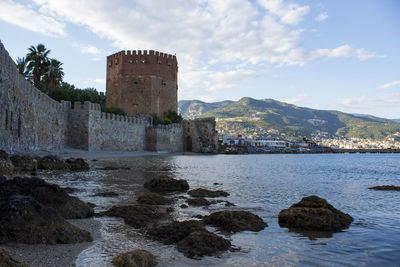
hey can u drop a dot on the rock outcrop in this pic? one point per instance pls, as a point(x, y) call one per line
point(201, 192)
point(166, 185)
point(6, 166)
point(201, 243)
point(154, 199)
point(314, 213)
point(175, 231)
point(386, 188)
point(77, 164)
point(52, 162)
point(7, 261)
point(49, 195)
point(235, 221)
point(137, 216)
point(199, 202)
point(135, 258)
point(3, 178)
point(25, 220)
point(24, 162)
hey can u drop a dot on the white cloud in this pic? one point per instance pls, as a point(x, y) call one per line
point(100, 81)
point(321, 16)
point(298, 100)
point(26, 17)
point(88, 49)
point(290, 13)
point(388, 85)
point(341, 51)
point(235, 34)
point(369, 102)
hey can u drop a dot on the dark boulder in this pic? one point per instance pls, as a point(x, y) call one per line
point(52, 162)
point(106, 194)
point(50, 195)
point(137, 216)
point(175, 231)
point(135, 258)
point(235, 221)
point(71, 190)
point(6, 167)
point(153, 199)
point(166, 184)
point(201, 243)
point(7, 261)
point(3, 178)
point(24, 162)
point(77, 164)
point(4, 155)
point(24, 220)
point(386, 188)
point(314, 213)
point(201, 192)
point(198, 202)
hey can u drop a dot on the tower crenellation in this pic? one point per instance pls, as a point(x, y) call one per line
point(142, 82)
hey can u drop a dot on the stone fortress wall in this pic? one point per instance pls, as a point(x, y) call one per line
point(30, 120)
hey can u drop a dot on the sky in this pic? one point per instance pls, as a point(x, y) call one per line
point(336, 55)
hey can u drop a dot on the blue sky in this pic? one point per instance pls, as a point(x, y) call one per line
point(341, 55)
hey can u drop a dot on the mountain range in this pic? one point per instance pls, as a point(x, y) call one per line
point(268, 117)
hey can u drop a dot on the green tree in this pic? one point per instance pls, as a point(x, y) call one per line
point(38, 62)
point(22, 66)
point(53, 76)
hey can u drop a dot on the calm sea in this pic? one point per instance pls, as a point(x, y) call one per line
point(264, 185)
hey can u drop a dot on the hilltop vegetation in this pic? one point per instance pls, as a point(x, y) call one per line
point(268, 117)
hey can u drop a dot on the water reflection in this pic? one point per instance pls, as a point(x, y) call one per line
point(263, 184)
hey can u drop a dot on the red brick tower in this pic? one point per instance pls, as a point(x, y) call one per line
point(142, 82)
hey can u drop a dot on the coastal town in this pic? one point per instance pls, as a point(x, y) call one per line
point(309, 145)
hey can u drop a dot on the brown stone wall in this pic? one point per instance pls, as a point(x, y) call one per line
point(142, 82)
point(201, 136)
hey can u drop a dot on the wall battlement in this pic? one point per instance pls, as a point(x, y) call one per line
point(31, 120)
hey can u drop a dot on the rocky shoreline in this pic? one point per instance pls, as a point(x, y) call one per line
point(49, 205)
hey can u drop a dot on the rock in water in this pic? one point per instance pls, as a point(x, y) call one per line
point(24, 220)
point(49, 195)
point(201, 192)
point(52, 162)
point(175, 231)
point(3, 178)
point(314, 213)
point(167, 184)
point(6, 166)
point(235, 221)
point(137, 216)
point(106, 194)
point(7, 261)
point(201, 243)
point(77, 164)
point(24, 162)
point(198, 202)
point(153, 199)
point(135, 258)
point(386, 188)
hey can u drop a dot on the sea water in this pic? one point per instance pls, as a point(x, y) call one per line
point(263, 184)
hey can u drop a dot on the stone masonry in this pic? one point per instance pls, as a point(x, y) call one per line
point(142, 82)
point(30, 120)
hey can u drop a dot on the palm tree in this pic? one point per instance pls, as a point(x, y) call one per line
point(22, 66)
point(54, 75)
point(38, 62)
